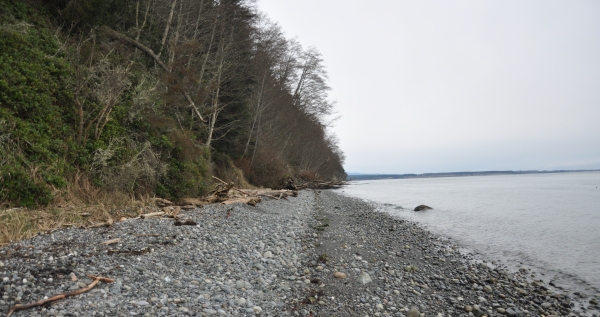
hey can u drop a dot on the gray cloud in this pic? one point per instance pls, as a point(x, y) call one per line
point(437, 86)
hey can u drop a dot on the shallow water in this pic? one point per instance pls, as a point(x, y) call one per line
point(548, 221)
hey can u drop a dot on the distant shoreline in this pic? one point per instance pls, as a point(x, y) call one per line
point(360, 177)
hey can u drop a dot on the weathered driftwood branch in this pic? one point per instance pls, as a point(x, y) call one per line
point(97, 225)
point(222, 190)
point(161, 202)
point(96, 279)
point(225, 183)
point(111, 241)
point(152, 214)
point(220, 180)
point(271, 196)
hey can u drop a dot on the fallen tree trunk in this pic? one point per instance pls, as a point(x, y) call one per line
point(148, 51)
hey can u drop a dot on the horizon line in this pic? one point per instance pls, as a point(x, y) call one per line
point(489, 171)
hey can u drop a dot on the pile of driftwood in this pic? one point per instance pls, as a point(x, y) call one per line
point(227, 193)
point(224, 193)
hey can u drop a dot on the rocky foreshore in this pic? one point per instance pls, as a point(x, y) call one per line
point(318, 254)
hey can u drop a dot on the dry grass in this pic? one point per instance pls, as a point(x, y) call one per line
point(231, 173)
point(81, 204)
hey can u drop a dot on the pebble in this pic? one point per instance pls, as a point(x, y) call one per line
point(243, 284)
point(365, 278)
point(259, 266)
point(339, 275)
point(116, 287)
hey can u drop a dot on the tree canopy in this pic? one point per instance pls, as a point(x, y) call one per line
point(154, 97)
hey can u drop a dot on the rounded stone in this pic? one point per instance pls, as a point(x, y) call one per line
point(339, 275)
point(413, 312)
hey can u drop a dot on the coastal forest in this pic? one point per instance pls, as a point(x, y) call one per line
point(153, 98)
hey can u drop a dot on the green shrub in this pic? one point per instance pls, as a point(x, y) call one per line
point(17, 187)
point(184, 179)
point(35, 109)
point(189, 168)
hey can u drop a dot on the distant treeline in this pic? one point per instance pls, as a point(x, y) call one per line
point(454, 174)
point(153, 97)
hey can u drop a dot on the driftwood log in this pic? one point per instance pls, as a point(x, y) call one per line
point(244, 200)
point(153, 214)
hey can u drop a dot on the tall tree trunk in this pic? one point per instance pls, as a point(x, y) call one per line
point(166, 32)
point(256, 140)
point(81, 120)
point(175, 40)
point(298, 91)
point(205, 61)
point(256, 114)
point(194, 37)
point(138, 28)
point(215, 102)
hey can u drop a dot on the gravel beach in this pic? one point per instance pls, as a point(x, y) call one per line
point(318, 254)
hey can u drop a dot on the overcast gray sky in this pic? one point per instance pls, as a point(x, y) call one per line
point(442, 86)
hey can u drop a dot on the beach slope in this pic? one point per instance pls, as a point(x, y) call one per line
point(318, 254)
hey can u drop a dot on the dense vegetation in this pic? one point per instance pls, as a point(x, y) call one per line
point(152, 97)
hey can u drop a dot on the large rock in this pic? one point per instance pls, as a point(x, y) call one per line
point(413, 312)
point(365, 278)
point(477, 311)
point(422, 207)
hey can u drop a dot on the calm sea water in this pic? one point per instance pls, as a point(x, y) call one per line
point(546, 221)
